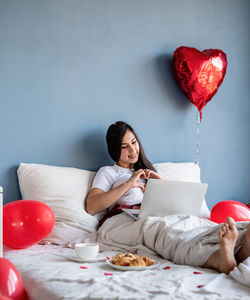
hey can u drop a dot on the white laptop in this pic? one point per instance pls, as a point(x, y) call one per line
point(167, 197)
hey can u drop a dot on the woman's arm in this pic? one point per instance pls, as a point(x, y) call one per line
point(99, 200)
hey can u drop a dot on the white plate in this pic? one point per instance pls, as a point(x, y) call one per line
point(125, 268)
point(82, 260)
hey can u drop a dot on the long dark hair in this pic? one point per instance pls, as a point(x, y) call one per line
point(114, 136)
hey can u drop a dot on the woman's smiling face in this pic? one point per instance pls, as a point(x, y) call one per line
point(129, 150)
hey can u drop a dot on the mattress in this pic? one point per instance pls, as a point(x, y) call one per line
point(48, 272)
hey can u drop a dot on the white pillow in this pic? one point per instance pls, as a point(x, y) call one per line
point(64, 190)
point(189, 172)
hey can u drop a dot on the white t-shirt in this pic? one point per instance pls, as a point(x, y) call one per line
point(110, 177)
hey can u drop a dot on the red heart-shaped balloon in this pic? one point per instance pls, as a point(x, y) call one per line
point(199, 74)
point(26, 222)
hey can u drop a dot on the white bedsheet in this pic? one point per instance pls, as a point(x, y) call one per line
point(48, 273)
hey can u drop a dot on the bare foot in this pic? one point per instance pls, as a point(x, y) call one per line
point(228, 236)
point(244, 251)
point(223, 260)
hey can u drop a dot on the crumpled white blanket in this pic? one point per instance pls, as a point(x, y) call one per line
point(183, 239)
point(241, 273)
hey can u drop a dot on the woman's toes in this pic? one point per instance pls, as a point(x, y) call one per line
point(232, 230)
point(230, 222)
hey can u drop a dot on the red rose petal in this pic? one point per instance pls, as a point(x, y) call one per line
point(166, 268)
point(83, 267)
point(108, 274)
point(197, 273)
point(200, 286)
point(107, 257)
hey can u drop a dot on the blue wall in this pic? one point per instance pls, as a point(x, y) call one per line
point(70, 68)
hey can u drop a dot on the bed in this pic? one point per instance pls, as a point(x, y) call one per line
point(48, 271)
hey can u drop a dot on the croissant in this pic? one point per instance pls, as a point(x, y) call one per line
point(130, 255)
point(123, 261)
point(148, 261)
point(131, 260)
point(137, 262)
point(117, 257)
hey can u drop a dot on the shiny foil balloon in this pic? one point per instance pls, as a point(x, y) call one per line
point(199, 74)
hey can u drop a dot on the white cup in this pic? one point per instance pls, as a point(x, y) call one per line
point(87, 250)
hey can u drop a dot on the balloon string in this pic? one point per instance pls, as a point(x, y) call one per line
point(198, 118)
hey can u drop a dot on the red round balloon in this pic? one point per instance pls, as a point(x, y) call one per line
point(11, 285)
point(2, 297)
point(26, 222)
point(199, 74)
point(229, 208)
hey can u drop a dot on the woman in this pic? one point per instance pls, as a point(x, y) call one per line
point(123, 184)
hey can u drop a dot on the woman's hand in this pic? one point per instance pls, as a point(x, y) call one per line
point(134, 182)
point(152, 174)
point(98, 200)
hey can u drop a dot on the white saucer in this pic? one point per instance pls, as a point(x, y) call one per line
point(82, 260)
